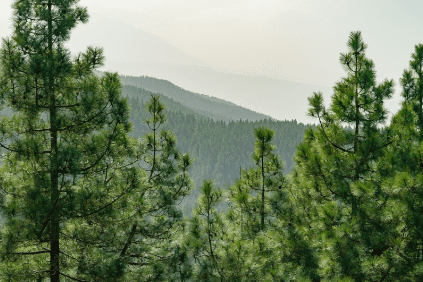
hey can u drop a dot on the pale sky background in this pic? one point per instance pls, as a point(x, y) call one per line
point(298, 40)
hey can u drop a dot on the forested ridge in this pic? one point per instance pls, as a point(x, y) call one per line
point(219, 149)
point(93, 184)
point(211, 107)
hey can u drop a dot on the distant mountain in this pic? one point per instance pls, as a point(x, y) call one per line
point(280, 99)
point(134, 52)
point(123, 43)
point(211, 107)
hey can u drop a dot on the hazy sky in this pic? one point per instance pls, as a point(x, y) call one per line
point(298, 40)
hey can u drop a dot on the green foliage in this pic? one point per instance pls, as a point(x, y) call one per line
point(81, 200)
point(66, 166)
point(153, 224)
point(215, 244)
point(205, 235)
point(257, 186)
point(404, 173)
point(338, 176)
point(249, 241)
point(219, 148)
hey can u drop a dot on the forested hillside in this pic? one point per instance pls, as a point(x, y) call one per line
point(212, 107)
point(219, 149)
point(82, 200)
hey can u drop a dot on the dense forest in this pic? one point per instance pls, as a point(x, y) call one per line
point(97, 183)
point(212, 142)
point(221, 150)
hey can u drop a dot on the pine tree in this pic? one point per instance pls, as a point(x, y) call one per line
point(67, 159)
point(338, 177)
point(404, 167)
point(253, 197)
point(214, 242)
point(205, 235)
point(152, 231)
point(253, 192)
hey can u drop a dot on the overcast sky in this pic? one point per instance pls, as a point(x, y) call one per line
point(299, 40)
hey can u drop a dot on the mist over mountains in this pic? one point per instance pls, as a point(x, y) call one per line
point(133, 52)
point(123, 43)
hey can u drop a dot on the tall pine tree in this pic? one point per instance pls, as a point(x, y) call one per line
point(67, 158)
point(253, 191)
point(338, 177)
point(205, 237)
point(151, 231)
point(405, 168)
point(252, 198)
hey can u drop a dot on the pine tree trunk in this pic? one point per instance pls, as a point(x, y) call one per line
point(54, 175)
point(357, 125)
point(357, 109)
point(420, 95)
point(262, 192)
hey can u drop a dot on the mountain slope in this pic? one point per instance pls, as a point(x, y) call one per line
point(280, 99)
point(144, 96)
point(207, 106)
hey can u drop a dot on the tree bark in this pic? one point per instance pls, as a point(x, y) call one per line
point(54, 175)
point(262, 190)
